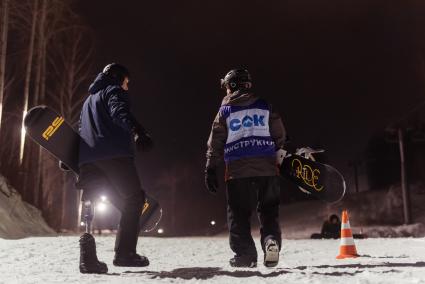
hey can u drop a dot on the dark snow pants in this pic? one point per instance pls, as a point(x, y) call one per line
point(242, 195)
point(119, 179)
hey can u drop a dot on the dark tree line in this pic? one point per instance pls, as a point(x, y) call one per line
point(46, 58)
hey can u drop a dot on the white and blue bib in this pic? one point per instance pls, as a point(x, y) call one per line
point(248, 131)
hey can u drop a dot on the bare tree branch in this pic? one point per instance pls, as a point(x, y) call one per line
point(3, 49)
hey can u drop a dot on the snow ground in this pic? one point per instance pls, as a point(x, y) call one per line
point(205, 260)
point(374, 213)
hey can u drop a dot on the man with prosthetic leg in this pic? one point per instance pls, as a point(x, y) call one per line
point(106, 158)
point(247, 133)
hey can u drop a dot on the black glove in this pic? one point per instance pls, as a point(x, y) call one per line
point(63, 167)
point(211, 180)
point(142, 139)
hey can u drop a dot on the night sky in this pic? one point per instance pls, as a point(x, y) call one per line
point(337, 71)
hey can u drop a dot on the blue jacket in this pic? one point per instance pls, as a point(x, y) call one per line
point(106, 123)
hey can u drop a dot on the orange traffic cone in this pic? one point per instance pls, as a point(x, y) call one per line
point(347, 249)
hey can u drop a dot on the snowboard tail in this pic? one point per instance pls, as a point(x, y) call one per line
point(53, 133)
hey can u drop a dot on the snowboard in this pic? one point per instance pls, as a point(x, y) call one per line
point(50, 130)
point(320, 180)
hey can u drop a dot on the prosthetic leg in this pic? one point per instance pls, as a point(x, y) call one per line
point(88, 257)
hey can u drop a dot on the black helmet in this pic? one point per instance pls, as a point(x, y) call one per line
point(234, 78)
point(116, 71)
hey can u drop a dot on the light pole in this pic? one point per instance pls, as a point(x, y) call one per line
point(404, 185)
point(401, 133)
point(355, 164)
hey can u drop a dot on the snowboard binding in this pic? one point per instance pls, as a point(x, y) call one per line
point(308, 152)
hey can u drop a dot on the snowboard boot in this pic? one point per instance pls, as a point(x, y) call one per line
point(88, 258)
point(271, 253)
point(243, 261)
point(130, 260)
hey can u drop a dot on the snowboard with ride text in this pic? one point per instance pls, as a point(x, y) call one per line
point(320, 180)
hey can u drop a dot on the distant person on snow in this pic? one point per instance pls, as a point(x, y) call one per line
point(247, 132)
point(331, 229)
point(106, 160)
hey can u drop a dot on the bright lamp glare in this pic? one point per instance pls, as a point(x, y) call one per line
point(82, 224)
point(212, 223)
point(101, 207)
point(103, 198)
point(160, 231)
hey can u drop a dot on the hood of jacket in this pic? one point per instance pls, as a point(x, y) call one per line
point(101, 82)
point(240, 98)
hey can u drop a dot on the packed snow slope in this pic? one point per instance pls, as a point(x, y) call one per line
point(374, 213)
point(205, 260)
point(19, 219)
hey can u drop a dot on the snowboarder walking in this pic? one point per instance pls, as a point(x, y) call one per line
point(106, 160)
point(247, 133)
